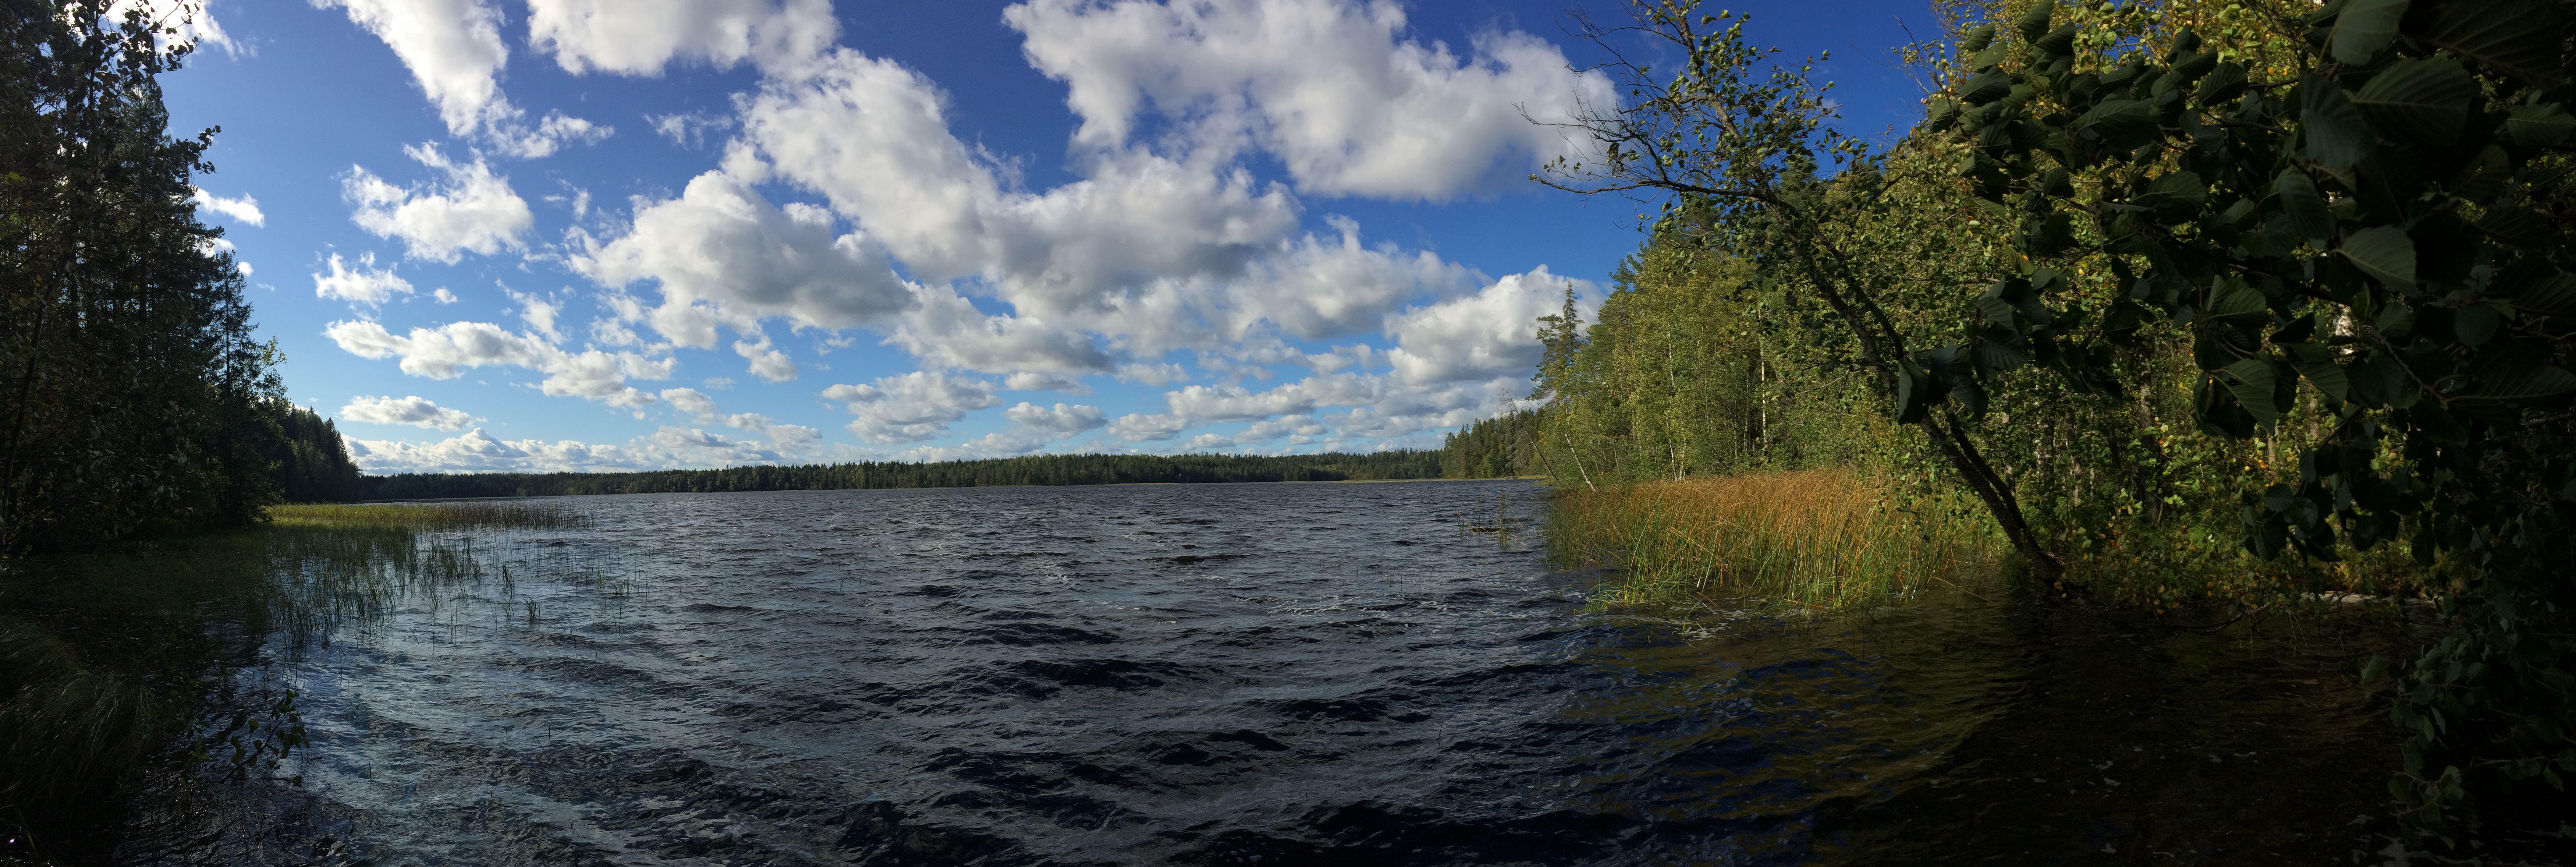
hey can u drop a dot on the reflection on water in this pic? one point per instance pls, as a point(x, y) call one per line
point(1271, 674)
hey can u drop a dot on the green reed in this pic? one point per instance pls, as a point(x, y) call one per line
point(1812, 539)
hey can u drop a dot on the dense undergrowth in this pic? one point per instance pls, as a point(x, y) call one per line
point(125, 659)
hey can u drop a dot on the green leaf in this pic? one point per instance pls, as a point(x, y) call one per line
point(2476, 324)
point(2550, 295)
point(2425, 101)
point(2120, 124)
point(2364, 29)
point(2483, 177)
point(1914, 391)
point(2336, 134)
point(2058, 41)
point(2524, 383)
point(2256, 383)
point(2035, 22)
point(1987, 86)
point(2383, 252)
point(2328, 377)
point(2538, 126)
point(2519, 226)
point(2223, 84)
point(1992, 56)
point(2305, 207)
point(2517, 37)
point(2234, 302)
point(1979, 38)
point(2174, 196)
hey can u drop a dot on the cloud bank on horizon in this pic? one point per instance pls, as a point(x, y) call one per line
point(1181, 270)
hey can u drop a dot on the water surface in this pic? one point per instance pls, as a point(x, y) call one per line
point(1275, 674)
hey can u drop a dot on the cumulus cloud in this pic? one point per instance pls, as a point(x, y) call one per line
point(785, 438)
point(1061, 421)
point(454, 51)
point(476, 451)
point(365, 284)
point(414, 410)
point(1146, 427)
point(444, 352)
point(641, 38)
point(1330, 87)
point(244, 209)
point(1482, 336)
point(722, 253)
point(912, 407)
point(474, 210)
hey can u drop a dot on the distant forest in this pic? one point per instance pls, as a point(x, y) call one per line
point(1031, 470)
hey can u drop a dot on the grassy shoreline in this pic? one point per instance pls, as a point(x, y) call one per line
point(1816, 539)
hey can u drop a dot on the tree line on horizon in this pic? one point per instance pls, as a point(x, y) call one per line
point(1023, 470)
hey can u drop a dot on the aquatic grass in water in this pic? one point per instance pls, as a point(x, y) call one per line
point(106, 657)
point(474, 514)
point(1817, 539)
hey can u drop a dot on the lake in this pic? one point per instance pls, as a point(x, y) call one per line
point(1271, 674)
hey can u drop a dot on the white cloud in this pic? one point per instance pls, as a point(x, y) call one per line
point(416, 411)
point(443, 296)
point(455, 52)
point(366, 284)
point(1330, 87)
point(1032, 381)
point(947, 330)
point(475, 210)
point(787, 439)
point(538, 312)
point(631, 38)
point(453, 48)
point(1482, 336)
point(443, 352)
point(766, 362)
point(244, 209)
point(1061, 421)
point(691, 129)
point(1145, 427)
point(476, 451)
point(912, 407)
point(722, 253)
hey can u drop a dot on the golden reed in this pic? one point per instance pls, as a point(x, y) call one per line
point(1821, 539)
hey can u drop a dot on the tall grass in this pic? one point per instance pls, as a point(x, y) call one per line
point(473, 514)
point(110, 659)
point(1816, 539)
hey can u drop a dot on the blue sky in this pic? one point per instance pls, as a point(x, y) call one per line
point(605, 234)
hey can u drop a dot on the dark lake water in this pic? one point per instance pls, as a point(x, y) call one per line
point(1277, 674)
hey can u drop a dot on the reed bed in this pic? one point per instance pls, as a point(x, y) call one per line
point(1814, 539)
point(471, 514)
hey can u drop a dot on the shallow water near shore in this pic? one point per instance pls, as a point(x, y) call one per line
point(1273, 674)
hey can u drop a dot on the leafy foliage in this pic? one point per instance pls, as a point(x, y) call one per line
point(2232, 300)
point(2372, 213)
